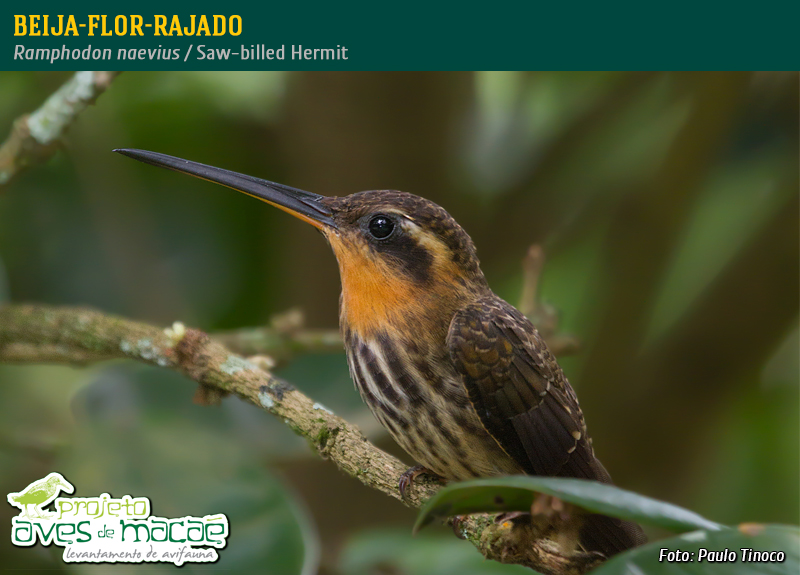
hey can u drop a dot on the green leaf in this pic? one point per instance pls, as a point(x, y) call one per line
point(373, 551)
point(517, 493)
point(645, 559)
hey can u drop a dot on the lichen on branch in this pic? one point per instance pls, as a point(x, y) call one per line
point(34, 137)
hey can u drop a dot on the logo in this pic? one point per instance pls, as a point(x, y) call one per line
point(107, 530)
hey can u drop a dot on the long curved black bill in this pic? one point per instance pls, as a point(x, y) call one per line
point(303, 205)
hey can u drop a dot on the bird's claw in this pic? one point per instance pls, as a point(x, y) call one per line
point(550, 507)
point(407, 478)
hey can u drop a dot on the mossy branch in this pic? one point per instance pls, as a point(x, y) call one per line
point(284, 338)
point(34, 137)
point(35, 334)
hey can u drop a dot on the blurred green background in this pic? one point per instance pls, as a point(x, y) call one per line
point(667, 204)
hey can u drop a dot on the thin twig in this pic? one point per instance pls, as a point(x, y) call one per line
point(543, 316)
point(80, 335)
point(282, 340)
point(34, 137)
point(532, 265)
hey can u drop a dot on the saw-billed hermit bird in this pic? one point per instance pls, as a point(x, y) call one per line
point(460, 378)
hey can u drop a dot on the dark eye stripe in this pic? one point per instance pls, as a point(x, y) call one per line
point(387, 237)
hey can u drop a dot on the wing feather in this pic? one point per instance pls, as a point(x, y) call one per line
point(528, 406)
point(519, 391)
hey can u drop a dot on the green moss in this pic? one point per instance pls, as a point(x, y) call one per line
point(322, 437)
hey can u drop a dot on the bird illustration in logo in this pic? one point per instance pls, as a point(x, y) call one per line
point(40, 493)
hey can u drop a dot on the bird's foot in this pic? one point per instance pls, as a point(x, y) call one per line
point(407, 479)
point(559, 521)
point(551, 507)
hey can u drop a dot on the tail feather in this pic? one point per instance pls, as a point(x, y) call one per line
point(609, 535)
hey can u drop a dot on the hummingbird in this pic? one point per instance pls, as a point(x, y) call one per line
point(461, 379)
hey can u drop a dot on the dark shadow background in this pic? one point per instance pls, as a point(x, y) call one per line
point(667, 204)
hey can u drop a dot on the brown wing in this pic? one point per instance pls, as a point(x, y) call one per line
point(528, 406)
point(520, 392)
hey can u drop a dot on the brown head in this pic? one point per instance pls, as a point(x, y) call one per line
point(403, 260)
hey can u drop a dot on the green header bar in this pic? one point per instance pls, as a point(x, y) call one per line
point(398, 36)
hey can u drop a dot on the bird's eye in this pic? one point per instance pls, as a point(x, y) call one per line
point(380, 227)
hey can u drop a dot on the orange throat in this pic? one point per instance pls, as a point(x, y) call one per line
point(377, 296)
point(373, 295)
